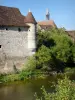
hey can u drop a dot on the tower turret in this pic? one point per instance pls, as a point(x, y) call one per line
point(30, 20)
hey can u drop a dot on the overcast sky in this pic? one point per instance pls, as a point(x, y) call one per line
point(61, 11)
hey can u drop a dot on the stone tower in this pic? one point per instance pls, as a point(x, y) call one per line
point(31, 33)
point(47, 15)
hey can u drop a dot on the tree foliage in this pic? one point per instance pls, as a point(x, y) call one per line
point(43, 56)
point(54, 46)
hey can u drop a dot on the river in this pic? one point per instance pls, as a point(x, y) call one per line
point(25, 90)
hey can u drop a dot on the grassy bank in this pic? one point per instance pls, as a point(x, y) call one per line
point(23, 75)
point(27, 74)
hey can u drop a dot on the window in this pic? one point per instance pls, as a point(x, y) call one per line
point(45, 27)
point(0, 46)
point(6, 28)
point(34, 50)
point(19, 29)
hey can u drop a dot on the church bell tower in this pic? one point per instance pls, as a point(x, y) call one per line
point(47, 15)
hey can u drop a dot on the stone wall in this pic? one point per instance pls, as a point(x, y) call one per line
point(13, 47)
point(16, 44)
point(12, 65)
point(13, 42)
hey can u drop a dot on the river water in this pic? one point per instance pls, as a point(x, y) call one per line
point(25, 90)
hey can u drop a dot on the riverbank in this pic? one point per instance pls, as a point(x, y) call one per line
point(24, 75)
point(26, 89)
point(36, 73)
point(21, 76)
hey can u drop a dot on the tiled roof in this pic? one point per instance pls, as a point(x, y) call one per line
point(47, 23)
point(30, 18)
point(10, 16)
point(71, 33)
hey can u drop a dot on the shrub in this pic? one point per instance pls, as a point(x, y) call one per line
point(73, 51)
point(64, 90)
point(43, 57)
point(10, 78)
point(28, 69)
point(30, 64)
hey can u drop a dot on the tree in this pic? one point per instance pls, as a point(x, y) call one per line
point(54, 46)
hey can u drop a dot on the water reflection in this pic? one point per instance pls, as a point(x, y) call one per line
point(24, 90)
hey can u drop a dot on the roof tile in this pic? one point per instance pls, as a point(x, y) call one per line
point(10, 16)
point(30, 18)
point(47, 23)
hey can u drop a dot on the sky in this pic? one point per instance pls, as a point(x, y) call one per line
point(61, 11)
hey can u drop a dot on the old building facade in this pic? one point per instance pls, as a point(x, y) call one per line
point(17, 37)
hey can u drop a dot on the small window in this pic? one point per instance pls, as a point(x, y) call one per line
point(46, 27)
point(19, 29)
point(6, 28)
point(0, 46)
point(33, 50)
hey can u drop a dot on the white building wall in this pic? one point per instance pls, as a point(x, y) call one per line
point(16, 47)
point(14, 43)
point(31, 39)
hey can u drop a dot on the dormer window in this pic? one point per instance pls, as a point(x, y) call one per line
point(19, 29)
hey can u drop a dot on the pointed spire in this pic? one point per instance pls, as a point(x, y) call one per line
point(47, 11)
point(47, 14)
point(29, 10)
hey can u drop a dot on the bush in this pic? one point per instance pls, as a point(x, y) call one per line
point(43, 57)
point(10, 78)
point(64, 90)
point(28, 69)
point(69, 70)
point(30, 65)
point(73, 51)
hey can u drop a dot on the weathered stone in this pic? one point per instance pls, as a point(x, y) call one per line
point(16, 47)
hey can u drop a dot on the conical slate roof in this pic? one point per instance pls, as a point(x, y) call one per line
point(30, 18)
